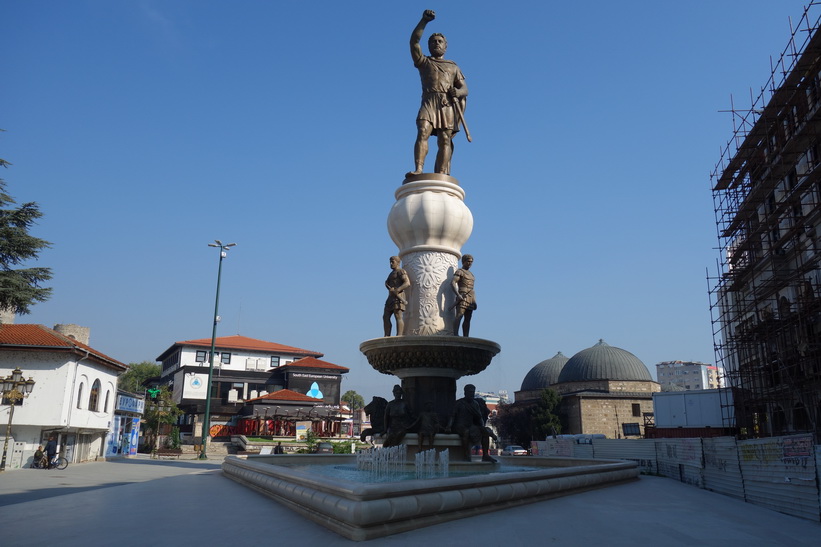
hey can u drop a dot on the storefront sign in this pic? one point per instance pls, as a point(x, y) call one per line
point(130, 404)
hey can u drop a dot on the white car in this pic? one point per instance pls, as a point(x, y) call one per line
point(514, 450)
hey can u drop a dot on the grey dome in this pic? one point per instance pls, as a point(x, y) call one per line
point(544, 374)
point(604, 362)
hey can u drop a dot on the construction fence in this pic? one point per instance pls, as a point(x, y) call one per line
point(780, 473)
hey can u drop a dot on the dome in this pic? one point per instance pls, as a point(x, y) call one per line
point(604, 362)
point(544, 374)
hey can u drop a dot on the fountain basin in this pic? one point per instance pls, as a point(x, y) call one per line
point(451, 356)
point(362, 511)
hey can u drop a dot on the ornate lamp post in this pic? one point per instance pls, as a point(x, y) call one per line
point(14, 388)
point(206, 423)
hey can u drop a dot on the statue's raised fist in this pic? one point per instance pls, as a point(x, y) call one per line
point(429, 15)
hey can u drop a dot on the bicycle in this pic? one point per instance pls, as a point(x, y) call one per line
point(58, 462)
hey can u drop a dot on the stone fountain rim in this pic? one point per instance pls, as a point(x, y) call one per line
point(431, 341)
point(392, 508)
point(277, 466)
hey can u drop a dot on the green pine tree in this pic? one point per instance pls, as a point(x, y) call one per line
point(20, 286)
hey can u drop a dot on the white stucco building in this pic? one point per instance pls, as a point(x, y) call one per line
point(74, 396)
point(244, 369)
point(688, 375)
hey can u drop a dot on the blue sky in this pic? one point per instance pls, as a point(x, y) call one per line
point(147, 129)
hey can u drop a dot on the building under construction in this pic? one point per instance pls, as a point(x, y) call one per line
point(766, 299)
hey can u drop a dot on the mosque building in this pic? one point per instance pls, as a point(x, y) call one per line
point(604, 389)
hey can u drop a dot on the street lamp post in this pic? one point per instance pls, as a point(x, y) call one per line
point(206, 423)
point(14, 388)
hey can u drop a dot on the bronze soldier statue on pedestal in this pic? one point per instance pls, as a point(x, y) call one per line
point(462, 285)
point(443, 98)
point(395, 305)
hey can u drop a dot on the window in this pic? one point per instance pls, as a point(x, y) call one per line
point(94, 396)
point(201, 356)
point(80, 396)
point(274, 361)
point(788, 122)
point(636, 409)
point(812, 93)
point(107, 397)
point(225, 359)
point(790, 180)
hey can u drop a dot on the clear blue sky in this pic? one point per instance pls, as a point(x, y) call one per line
point(147, 129)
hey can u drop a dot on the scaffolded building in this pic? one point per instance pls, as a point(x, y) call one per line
point(765, 300)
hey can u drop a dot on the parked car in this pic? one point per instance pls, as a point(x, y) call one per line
point(514, 450)
point(324, 448)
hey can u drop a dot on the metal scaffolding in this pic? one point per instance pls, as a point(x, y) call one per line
point(765, 297)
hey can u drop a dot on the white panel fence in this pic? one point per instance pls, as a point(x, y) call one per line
point(780, 473)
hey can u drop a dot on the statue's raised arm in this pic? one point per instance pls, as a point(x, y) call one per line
point(443, 94)
point(416, 35)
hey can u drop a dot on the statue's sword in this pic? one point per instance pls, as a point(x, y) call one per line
point(458, 106)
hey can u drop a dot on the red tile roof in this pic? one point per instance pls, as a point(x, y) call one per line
point(242, 342)
point(310, 362)
point(40, 337)
point(286, 395)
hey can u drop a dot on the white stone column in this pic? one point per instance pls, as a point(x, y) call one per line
point(429, 224)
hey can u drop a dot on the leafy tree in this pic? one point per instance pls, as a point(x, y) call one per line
point(20, 287)
point(160, 410)
point(137, 373)
point(521, 423)
point(311, 439)
point(353, 399)
point(545, 419)
point(174, 441)
point(513, 421)
point(355, 402)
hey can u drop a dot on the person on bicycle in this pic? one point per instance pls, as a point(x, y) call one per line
point(51, 451)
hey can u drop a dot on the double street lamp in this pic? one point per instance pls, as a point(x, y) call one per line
point(13, 389)
point(206, 423)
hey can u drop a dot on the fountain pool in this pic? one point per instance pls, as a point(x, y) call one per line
point(362, 511)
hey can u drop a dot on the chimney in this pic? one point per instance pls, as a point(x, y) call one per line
point(75, 332)
point(7, 316)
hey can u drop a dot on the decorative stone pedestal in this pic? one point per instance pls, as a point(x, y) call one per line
point(429, 224)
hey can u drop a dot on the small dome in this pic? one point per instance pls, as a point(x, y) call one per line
point(604, 362)
point(544, 374)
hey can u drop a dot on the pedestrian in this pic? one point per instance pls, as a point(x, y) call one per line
point(51, 451)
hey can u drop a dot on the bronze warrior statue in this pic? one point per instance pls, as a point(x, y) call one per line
point(468, 421)
point(398, 418)
point(443, 97)
point(462, 284)
point(395, 305)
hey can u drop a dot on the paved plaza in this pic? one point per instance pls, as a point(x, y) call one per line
point(138, 501)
